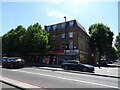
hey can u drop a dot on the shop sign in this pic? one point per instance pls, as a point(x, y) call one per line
point(58, 51)
point(72, 52)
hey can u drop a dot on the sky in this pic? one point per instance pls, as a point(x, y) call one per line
point(50, 12)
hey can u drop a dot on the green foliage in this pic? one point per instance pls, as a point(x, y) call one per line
point(22, 41)
point(111, 53)
point(117, 45)
point(36, 38)
point(11, 40)
point(101, 38)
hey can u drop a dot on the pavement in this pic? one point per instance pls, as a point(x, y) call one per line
point(6, 86)
point(111, 70)
point(103, 71)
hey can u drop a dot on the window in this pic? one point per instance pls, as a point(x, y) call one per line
point(62, 46)
point(63, 25)
point(53, 37)
point(71, 23)
point(63, 35)
point(70, 34)
point(48, 28)
point(54, 27)
point(70, 45)
point(54, 47)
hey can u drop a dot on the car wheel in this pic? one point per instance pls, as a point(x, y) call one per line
point(66, 68)
point(84, 69)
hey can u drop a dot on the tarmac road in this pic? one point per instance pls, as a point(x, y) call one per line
point(57, 79)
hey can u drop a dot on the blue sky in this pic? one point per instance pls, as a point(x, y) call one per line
point(47, 13)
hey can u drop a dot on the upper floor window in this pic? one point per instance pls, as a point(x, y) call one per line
point(48, 28)
point(63, 25)
point(71, 45)
point(54, 27)
point(63, 35)
point(53, 37)
point(70, 34)
point(71, 23)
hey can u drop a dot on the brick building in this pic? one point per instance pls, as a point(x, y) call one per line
point(71, 38)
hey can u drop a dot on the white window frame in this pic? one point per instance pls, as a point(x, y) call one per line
point(71, 45)
point(63, 25)
point(54, 27)
point(70, 34)
point(71, 23)
point(48, 28)
point(63, 35)
point(53, 37)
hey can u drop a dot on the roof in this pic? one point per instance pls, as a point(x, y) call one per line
point(60, 23)
point(79, 25)
point(76, 24)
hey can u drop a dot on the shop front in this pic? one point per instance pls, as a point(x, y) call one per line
point(54, 57)
point(70, 55)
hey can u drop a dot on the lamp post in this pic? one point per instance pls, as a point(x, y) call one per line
point(65, 37)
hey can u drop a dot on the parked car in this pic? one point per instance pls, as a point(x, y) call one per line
point(110, 62)
point(13, 62)
point(103, 63)
point(4, 58)
point(76, 65)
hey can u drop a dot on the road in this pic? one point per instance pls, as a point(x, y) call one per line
point(58, 79)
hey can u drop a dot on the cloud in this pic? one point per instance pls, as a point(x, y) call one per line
point(56, 14)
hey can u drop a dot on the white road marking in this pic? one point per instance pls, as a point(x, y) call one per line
point(108, 70)
point(70, 79)
point(18, 83)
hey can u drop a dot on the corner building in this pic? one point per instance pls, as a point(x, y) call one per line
point(71, 38)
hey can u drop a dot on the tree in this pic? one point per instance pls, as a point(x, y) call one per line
point(22, 41)
point(36, 39)
point(11, 40)
point(101, 38)
point(117, 45)
point(111, 53)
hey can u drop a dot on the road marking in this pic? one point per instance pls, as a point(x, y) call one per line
point(108, 70)
point(20, 83)
point(70, 79)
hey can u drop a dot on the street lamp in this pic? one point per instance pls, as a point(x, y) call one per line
point(65, 37)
